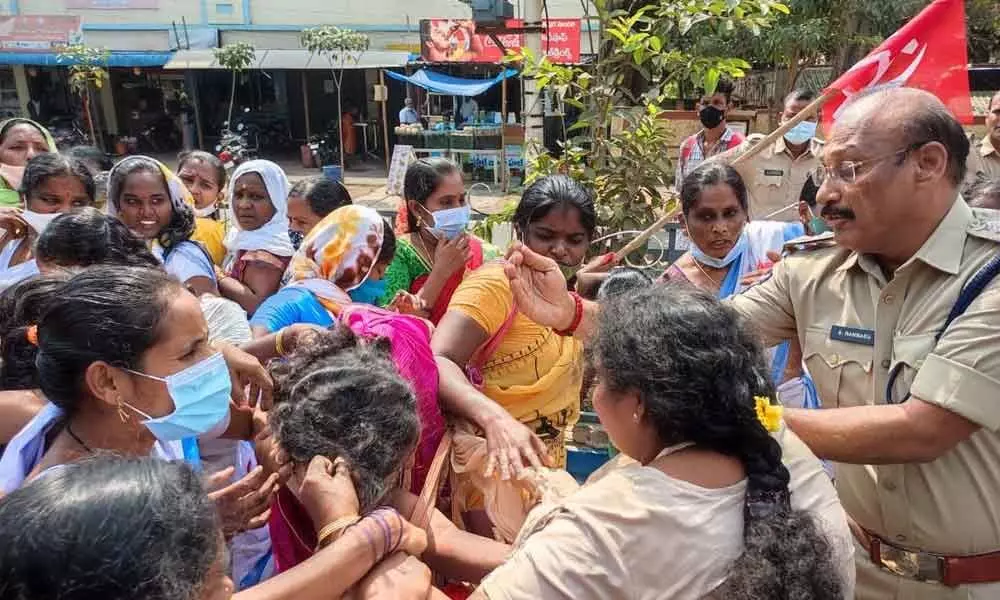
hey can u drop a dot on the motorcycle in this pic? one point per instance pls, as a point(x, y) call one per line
point(232, 148)
point(67, 132)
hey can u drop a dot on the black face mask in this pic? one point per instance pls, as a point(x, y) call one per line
point(711, 116)
point(296, 237)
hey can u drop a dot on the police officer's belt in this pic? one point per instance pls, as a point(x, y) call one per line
point(924, 566)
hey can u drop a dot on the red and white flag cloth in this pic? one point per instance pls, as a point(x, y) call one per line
point(928, 53)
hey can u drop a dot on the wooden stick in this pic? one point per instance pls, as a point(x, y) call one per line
point(784, 128)
point(636, 243)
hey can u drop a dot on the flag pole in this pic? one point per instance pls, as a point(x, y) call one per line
point(785, 127)
point(772, 137)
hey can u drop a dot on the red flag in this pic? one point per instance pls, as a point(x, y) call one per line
point(928, 53)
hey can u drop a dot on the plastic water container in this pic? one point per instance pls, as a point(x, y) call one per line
point(333, 172)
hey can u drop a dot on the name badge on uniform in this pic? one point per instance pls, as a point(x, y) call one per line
point(852, 335)
point(773, 172)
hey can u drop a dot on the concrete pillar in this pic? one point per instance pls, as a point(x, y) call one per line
point(23, 91)
point(108, 107)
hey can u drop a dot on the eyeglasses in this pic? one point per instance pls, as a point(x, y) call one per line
point(847, 171)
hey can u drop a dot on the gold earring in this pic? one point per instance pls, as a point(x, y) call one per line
point(635, 417)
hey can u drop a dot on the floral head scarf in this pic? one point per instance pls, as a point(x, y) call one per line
point(339, 253)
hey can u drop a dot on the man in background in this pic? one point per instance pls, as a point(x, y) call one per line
point(408, 115)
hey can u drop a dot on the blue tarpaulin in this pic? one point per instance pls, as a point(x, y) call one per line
point(440, 83)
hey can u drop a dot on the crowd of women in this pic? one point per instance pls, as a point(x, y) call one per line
point(270, 410)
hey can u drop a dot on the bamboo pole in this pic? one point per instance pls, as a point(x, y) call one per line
point(305, 102)
point(772, 137)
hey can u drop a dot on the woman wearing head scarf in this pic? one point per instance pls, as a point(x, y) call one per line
point(258, 245)
point(341, 261)
point(156, 206)
point(20, 141)
point(51, 185)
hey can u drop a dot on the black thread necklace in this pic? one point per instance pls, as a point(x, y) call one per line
point(73, 435)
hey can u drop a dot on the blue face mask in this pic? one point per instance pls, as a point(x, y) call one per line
point(451, 223)
point(368, 292)
point(296, 237)
point(816, 224)
point(720, 263)
point(801, 133)
point(201, 395)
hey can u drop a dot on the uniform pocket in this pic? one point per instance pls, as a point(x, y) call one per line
point(908, 354)
point(834, 364)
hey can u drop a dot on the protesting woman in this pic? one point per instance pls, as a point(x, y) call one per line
point(257, 244)
point(341, 261)
point(156, 206)
point(433, 258)
point(727, 250)
point(140, 528)
point(310, 201)
point(20, 141)
point(204, 175)
point(705, 507)
point(526, 378)
point(52, 185)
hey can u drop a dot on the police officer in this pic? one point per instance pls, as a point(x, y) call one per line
point(984, 161)
point(912, 413)
point(775, 176)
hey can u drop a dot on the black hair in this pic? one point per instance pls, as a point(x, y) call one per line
point(182, 223)
point(88, 237)
point(555, 191)
point(46, 166)
point(91, 155)
point(697, 368)
point(388, 250)
point(713, 172)
point(933, 122)
point(104, 313)
point(800, 95)
point(118, 528)
point(324, 195)
point(622, 280)
point(984, 193)
point(809, 191)
point(12, 123)
point(342, 397)
point(422, 178)
point(209, 159)
point(20, 308)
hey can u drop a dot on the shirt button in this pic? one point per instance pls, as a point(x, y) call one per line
point(889, 486)
point(834, 358)
point(888, 299)
point(900, 538)
point(886, 363)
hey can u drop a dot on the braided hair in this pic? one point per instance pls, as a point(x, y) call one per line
point(697, 369)
point(342, 397)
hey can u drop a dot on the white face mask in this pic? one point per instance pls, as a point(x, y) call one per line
point(38, 221)
point(208, 211)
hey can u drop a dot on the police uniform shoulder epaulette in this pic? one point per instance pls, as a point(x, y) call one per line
point(809, 242)
point(985, 224)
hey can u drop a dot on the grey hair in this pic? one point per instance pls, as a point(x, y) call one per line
point(343, 398)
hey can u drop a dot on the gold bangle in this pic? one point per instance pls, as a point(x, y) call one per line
point(279, 346)
point(332, 530)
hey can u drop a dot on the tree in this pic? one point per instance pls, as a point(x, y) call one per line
point(646, 56)
point(236, 57)
point(340, 47)
point(87, 71)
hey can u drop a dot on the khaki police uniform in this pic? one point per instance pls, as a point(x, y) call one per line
point(774, 179)
point(856, 327)
point(984, 162)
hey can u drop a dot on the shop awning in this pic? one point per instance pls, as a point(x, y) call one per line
point(116, 59)
point(287, 59)
point(440, 83)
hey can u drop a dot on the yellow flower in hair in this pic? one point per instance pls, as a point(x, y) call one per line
point(768, 414)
